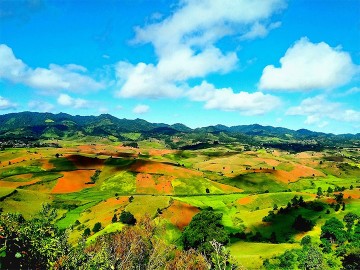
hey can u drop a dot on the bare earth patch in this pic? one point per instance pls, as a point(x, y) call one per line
point(180, 214)
point(152, 167)
point(244, 201)
point(73, 181)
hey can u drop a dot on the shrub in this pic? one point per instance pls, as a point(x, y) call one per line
point(127, 218)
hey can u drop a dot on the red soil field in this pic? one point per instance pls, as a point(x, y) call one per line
point(142, 166)
point(73, 181)
point(149, 183)
point(46, 165)
point(354, 194)
point(244, 201)
point(180, 214)
point(292, 176)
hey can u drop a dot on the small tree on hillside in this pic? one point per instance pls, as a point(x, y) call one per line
point(97, 227)
point(127, 218)
point(203, 228)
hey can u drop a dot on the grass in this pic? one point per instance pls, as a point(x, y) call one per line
point(26, 202)
point(62, 164)
point(111, 228)
point(131, 135)
point(17, 170)
point(195, 185)
point(123, 183)
point(251, 255)
point(255, 182)
point(147, 204)
point(73, 215)
point(5, 192)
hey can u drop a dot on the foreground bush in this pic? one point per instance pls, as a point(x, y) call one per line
point(38, 244)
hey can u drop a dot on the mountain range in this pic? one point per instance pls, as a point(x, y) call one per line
point(35, 125)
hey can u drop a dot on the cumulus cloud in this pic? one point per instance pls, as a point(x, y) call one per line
point(40, 106)
point(6, 104)
point(77, 103)
point(318, 109)
point(143, 80)
point(141, 109)
point(307, 66)
point(69, 77)
point(225, 99)
point(186, 44)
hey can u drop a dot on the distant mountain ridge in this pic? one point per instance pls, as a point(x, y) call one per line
point(35, 124)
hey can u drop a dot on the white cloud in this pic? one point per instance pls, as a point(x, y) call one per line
point(225, 99)
point(69, 77)
point(143, 80)
point(40, 106)
point(186, 45)
point(259, 30)
point(141, 109)
point(318, 109)
point(307, 66)
point(77, 103)
point(6, 104)
point(103, 110)
point(353, 90)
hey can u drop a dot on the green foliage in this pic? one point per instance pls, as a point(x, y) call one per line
point(350, 219)
point(302, 224)
point(333, 231)
point(203, 228)
point(97, 227)
point(127, 218)
point(313, 258)
point(306, 240)
point(34, 244)
point(114, 219)
point(86, 232)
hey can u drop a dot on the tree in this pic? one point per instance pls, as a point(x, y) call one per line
point(306, 240)
point(350, 219)
point(330, 190)
point(31, 244)
point(114, 219)
point(86, 232)
point(207, 190)
point(275, 207)
point(333, 231)
point(295, 200)
point(203, 228)
point(273, 238)
point(351, 261)
point(314, 258)
point(319, 192)
point(339, 197)
point(302, 224)
point(351, 187)
point(97, 227)
point(127, 218)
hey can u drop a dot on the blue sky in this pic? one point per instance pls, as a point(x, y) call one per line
point(294, 64)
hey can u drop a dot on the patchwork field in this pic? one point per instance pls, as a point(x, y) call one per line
point(91, 183)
